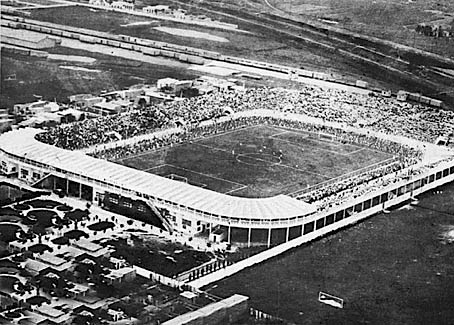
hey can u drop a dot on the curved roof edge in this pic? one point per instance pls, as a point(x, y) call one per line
point(22, 143)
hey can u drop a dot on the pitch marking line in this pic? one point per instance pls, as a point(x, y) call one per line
point(272, 164)
point(315, 137)
point(323, 149)
point(278, 134)
point(155, 167)
point(333, 143)
point(224, 133)
point(356, 151)
point(168, 147)
point(236, 189)
point(209, 176)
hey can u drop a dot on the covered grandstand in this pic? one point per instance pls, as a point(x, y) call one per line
point(179, 206)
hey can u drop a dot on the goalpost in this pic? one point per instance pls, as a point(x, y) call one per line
point(177, 178)
point(326, 136)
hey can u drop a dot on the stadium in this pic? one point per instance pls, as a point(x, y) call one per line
point(254, 167)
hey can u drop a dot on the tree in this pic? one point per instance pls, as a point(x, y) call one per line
point(39, 230)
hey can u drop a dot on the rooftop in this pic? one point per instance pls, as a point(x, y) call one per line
point(51, 259)
point(87, 245)
point(22, 143)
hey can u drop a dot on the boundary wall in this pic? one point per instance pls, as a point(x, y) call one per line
point(271, 231)
point(403, 191)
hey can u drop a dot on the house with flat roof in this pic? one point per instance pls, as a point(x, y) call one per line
point(120, 275)
point(92, 249)
point(78, 290)
point(157, 10)
point(53, 315)
point(122, 5)
point(113, 107)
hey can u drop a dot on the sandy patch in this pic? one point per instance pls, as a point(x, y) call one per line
point(139, 23)
point(70, 67)
point(72, 58)
point(191, 33)
point(406, 207)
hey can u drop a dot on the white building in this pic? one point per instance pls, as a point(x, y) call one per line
point(157, 10)
point(122, 5)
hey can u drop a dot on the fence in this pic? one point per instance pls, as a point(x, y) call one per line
point(384, 163)
point(203, 270)
point(267, 318)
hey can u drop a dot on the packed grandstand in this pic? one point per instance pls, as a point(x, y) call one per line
point(376, 113)
point(343, 115)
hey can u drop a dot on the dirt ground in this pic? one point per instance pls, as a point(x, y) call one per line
point(393, 268)
point(53, 80)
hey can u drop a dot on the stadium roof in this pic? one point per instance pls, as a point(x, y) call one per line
point(22, 143)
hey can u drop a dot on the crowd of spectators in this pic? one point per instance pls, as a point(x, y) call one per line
point(137, 122)
point(376, 113)
point(406, 155)
point(329, 198)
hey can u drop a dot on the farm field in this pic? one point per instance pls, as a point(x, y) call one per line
point(257, 161)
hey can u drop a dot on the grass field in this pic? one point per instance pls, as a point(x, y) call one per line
point(256, 45)
point(390, 269)
point(257, 161)
point(394, 20)
point(46, 78)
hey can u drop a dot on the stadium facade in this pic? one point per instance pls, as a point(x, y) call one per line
point(177, 206)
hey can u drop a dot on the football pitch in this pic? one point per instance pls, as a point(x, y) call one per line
point(256, 161)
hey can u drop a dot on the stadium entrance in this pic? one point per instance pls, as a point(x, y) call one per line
point(66, 187)
point(135, 209)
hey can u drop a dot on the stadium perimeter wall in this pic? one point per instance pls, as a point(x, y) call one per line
point(270, 232)
point(401, 197)
point(303, 229)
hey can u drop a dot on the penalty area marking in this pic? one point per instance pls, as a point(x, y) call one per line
point(278, 134)
point(155, 167)
point(209, 176)
point(203, 185)
point(236, 189)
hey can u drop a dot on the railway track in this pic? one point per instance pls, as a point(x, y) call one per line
point(148, 47)
point(199, 56)
point(350, 46)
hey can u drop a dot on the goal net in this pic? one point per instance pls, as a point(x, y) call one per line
point(177, 178)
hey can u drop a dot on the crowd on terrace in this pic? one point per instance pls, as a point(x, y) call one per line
point(95, 131)
point(405, 154)
point(348, 109)
point(376, 113)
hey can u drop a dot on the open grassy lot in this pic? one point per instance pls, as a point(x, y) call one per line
point(269, 47)
point(47, 78)
point(391, 269)
point(257, 161)
point(394, 20)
